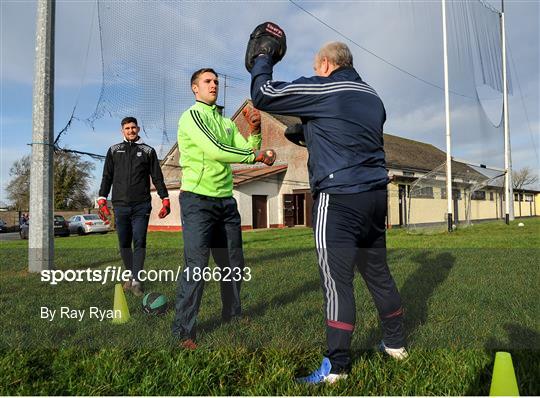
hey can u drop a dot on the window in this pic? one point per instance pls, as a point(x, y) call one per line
point(425, 192)
point(491, 196)
point(478, 195)
point(456, 193)
point(528, 197)
point(91, 217)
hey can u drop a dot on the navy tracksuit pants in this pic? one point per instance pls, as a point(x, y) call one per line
point(210, 225)
point(350, 232)
point(131, 226)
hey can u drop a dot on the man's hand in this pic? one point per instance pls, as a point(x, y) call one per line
point(166, 209)
point(268, 39)
point(253, 117)
point(295, 134)
point(267, 156)
point(104, 213)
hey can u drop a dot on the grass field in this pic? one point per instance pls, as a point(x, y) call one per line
point(466, 295)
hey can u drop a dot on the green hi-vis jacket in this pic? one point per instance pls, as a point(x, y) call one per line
point(208, 143)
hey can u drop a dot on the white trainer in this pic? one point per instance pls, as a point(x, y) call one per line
point(396, 353)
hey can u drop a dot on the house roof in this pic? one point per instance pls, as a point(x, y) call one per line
point(247, 175)
point(407, 154)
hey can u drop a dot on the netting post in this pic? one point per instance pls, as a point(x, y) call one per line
point(447, 117)
point(41, 234)
point(508, 191)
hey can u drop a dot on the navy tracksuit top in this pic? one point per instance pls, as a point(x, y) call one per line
point(342, 119)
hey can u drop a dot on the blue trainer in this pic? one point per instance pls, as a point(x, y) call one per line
point(322, 375)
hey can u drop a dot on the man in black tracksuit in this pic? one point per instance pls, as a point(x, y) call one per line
point(342, 122)
point(128, 168)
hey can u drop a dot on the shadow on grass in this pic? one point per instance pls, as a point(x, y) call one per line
point(254, 240)
point(260, 309)
point(524, 346)
point(275, 255)
point(415, 293)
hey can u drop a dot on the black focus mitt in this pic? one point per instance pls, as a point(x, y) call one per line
point(295, 134)
point(268, 39)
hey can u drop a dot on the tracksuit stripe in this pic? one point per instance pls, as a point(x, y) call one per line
point(320, 254)
point(398, 312)
point(227, 148)
point(329, 283)
point(323, 257)
point(198, 120)
point(269, 94)
point(320, 87)
point(329, 84)
point(332, 282)
point(340, 325)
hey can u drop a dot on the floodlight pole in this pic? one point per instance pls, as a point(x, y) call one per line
point(41, 234)
point(508, 191)
point(449, 192)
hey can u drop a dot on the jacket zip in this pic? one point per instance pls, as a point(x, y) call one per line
point(129, 163)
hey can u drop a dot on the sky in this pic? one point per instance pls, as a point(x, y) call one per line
point(389, 29)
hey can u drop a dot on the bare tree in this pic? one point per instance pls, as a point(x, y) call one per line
point(523, 178)
point(18, 188)
point(71, 180)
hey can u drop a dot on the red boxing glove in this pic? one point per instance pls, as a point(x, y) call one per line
point(253, 117)
point(166, 209)
point(267, 156)
point(104, 213)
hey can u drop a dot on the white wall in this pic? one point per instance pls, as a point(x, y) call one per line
point(173, 219)
point(268, 187)
point(242, 194)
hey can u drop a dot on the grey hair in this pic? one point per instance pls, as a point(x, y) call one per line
point(337, 53)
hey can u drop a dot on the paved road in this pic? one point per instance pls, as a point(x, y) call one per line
point(10, 236)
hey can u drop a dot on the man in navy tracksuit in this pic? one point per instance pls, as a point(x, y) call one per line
point(342, 121)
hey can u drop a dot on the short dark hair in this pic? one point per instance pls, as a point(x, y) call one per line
point(129, 119)
point(197, 73)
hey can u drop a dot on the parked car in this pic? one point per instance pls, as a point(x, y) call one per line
point(61, 227)
point(3, 225)
point(83, 224)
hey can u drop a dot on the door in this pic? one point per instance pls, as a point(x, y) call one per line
point(303, 207)
point(299, 209)
point(309, 209)
point(288, 210)
point(455, 196)
point(259, 211)
point(402, 205)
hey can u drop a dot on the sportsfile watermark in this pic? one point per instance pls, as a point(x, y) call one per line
point(117, 274)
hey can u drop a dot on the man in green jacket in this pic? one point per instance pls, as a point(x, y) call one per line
point(208, 144)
